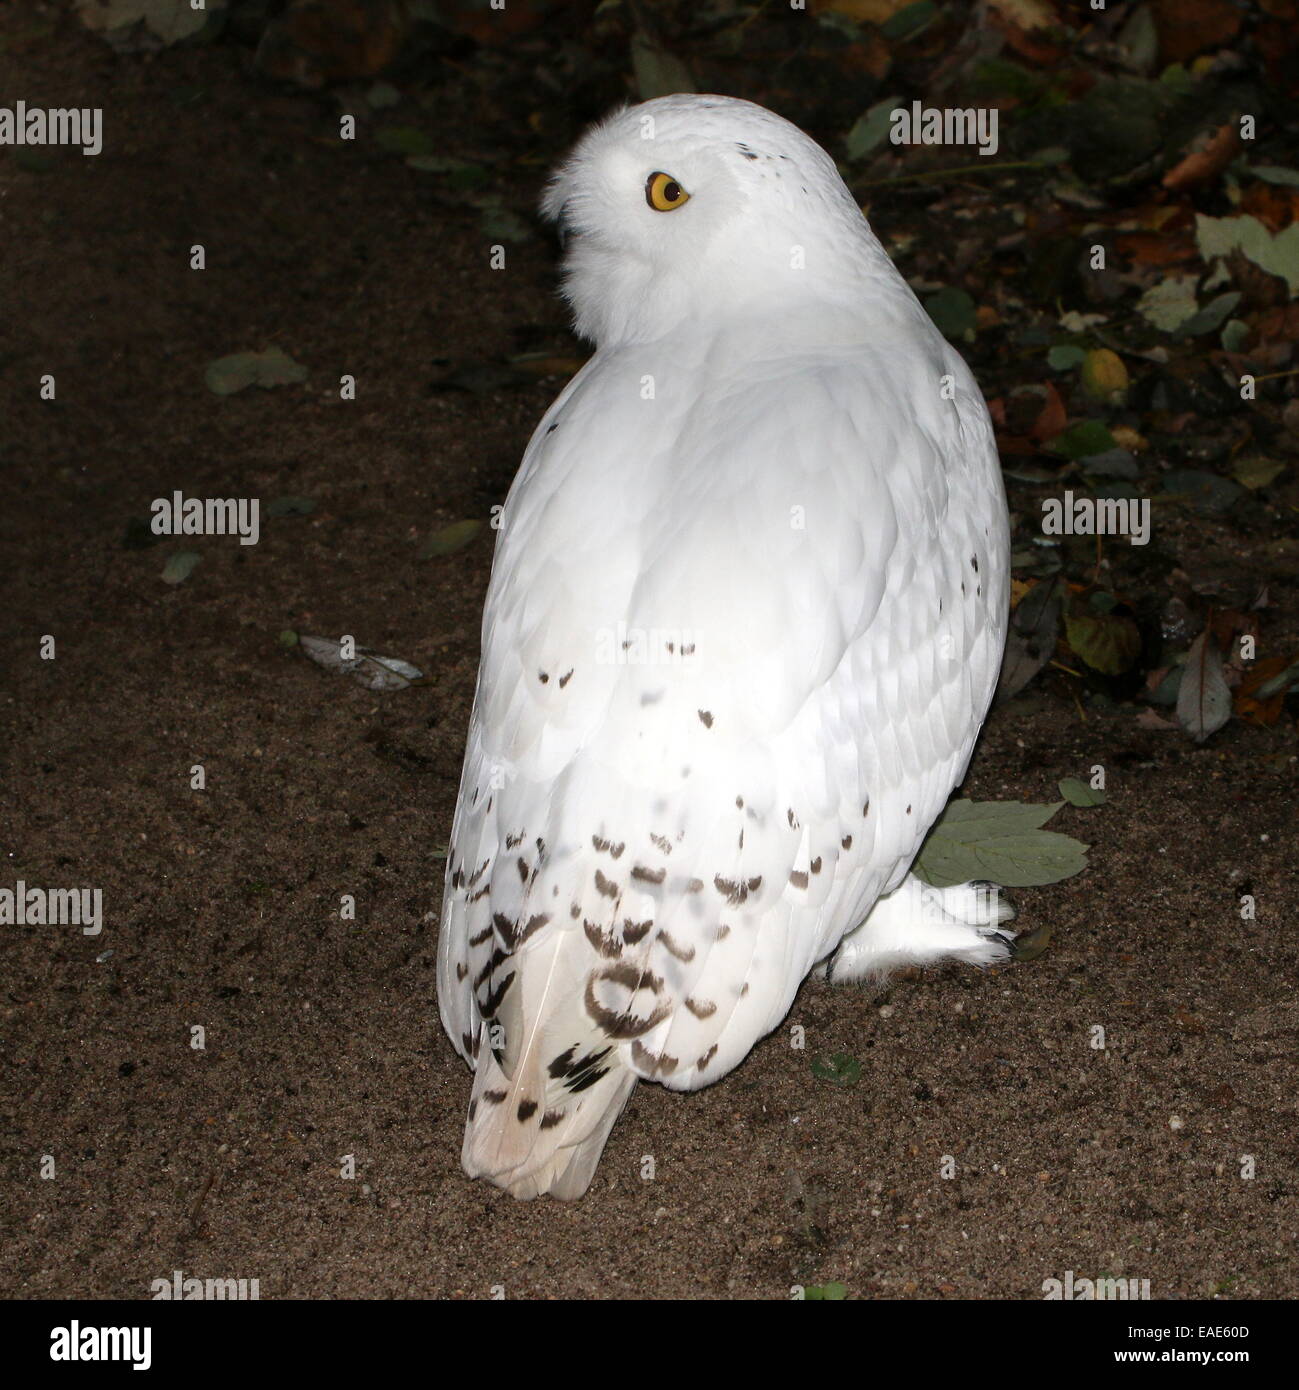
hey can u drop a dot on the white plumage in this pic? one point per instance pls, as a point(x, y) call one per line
point(745, 618)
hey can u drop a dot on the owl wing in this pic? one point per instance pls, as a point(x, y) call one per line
point(739, 639)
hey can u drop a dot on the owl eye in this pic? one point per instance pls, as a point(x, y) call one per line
point(664, 194)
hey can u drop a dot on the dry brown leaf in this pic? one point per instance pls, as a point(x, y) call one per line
point(1261, 290)
point(1275, 207)
point(1026, 14)
point(1155, 248)
point(1266, 711)
point(863, 11)
point(1204, 164)
point(1188, 27)
point(1279, 325)
point(1053, 417)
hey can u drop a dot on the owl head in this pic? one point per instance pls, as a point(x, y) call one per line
point(704, 209)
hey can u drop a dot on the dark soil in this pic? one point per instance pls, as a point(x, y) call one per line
point(322, 1039)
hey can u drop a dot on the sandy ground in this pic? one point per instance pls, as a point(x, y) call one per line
point(322, 1039)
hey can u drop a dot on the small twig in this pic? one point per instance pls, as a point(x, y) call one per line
point(1082, 713)
point(202, 1197)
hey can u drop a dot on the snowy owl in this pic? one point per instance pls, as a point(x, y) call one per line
point(745, 617)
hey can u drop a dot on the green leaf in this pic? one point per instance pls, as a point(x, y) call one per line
point(1278, 255)
point(1273, 173)
point(1234, 333)
point(405, 139)
point(1084, 439)
point(168, 20)
point(1107, 643)
point(1139, 41)
point(180, 566)
point(498, 221)
point(1112, 463)
point(953, 313)
point(840, 1069)
point(1064, 356)
point(1278, 683)
point(912, 20)
point(1003, 77)
point(1211, 317)
point(1176, 78)
point(459, 173)
point(450, 539)
point(1000, 841)
point(1078, 793)
point(382, 95)
point(871, 130)
point(658, 72)
point(1257, 472)
point(273, 367)
point(829, 1293)
point(1170, 303)
point(1031, 945)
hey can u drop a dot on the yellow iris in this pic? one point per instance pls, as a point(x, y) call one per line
point(664, 194)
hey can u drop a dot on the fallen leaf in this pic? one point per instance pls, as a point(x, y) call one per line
point(1203, 699)
point(1001, 842)
point(1030, 945)
point(1277, 254)
point(373, 671)
point(1257, 472)
point(1170, 303)
point(1082, 440)
point(450, 539)
point(239, 370)
point(169, 20)
point(1188, 27)
point(1260, 697)
point(1215, 151)
point(1079, 793)
point(658, 73)
point(840, 1069)
point(1104, 376)
point(180, 566)
point(1031, 639)
point(1154, 248)
point(1108, 643)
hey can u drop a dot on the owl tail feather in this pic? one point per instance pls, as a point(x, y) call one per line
point(529, 1147)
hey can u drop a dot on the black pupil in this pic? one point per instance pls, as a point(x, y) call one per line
point(672, 191)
